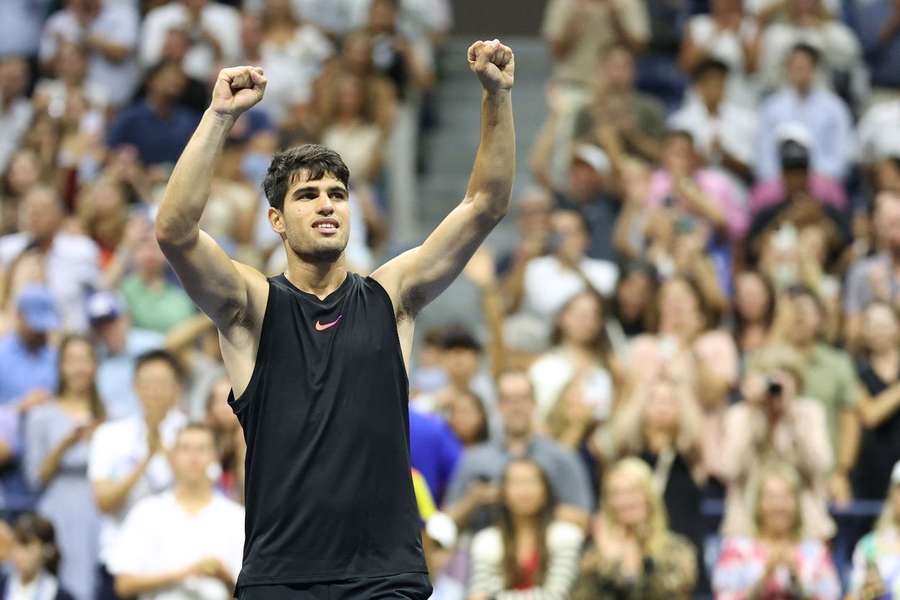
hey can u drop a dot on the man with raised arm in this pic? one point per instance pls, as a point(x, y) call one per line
point(317, 356)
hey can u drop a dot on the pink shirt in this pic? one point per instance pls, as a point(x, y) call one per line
point(821, 187)
point(716, 186)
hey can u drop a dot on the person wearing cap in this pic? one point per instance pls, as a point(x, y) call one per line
point(27, 360)
point(822, 112)
point(71, 261)
point(797, 178)
point(119, 344)
point(724, 131)
point(876, 558)
point(590, 179)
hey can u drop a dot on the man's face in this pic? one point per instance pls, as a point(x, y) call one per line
point(887, 220)
point(194, 452)
point(157, 388)
point(572, 236)
point(678, 156)
point(585, 181)
point(712, 87)
point(148, 257)
point(618, 70)
point(168, 83)
point(806, 319)
point(516, 403)
point(315, 219)
point(801, 70)
point(43, 213)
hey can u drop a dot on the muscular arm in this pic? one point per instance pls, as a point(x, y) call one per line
point(418, 276)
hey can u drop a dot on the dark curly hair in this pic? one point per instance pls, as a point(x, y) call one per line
point(314, 160)
point(30, 527)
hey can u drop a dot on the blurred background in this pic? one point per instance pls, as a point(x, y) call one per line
point(672, 371)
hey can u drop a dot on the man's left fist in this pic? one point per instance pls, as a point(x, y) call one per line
point(494, 64)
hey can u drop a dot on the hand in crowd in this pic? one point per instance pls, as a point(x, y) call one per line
point(209, 567)
point(615, 545)
point(33, 398)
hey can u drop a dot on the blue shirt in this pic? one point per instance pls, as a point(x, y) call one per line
point(434, 451)
point(22, 371)
point(158, 140)
point(825, 117)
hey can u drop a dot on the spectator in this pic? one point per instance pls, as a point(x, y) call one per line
point(724, 131)
point(34, 559)
point(632, 306)
point(633, 553)
point(25, 171)
point(186, 542)
point(468, 420)
point(212, 28)
point(15, 109)
point(578, 352)
point(701, 194)
point(592, 193)
point(352, 130)
point(292, 53)
point(118, 346)
point(824, 115)
point(797, 180)
point(771, 424)
point(808, 23)
point(528, 551)
point(754, 311)
point(57, 435)
point(405, 60)
point(230, 445)
point(619, 110)
point(154, 303)
point(663, 426)
point(877, 25)
point(27, 360)
point(70, 84)
point(474, 484)
point(25, 270)
point(727, 34)
point(551, 281)
point(878, 131)
point(534, 208)
point(109, 33)
point(875, 277)
point(71, 260)
point(127, 460)
point(876, 557)
point(20, 30)
point(878, 368)
point(658, 72)
point(779, 557)
point(158, 126)
point(829, 377)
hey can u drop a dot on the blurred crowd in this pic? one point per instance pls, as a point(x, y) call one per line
point(678, 377)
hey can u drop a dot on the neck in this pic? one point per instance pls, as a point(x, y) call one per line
point(889, 353)
point(160, 105)
point(319, 279)
point(777, 537)
point(658, 439)
point(712, 106)
point(149, 277)
point(27, 578)
point(803, 90)
point(524, 525)
point(805, 346)
point(193, 494)
point(75, 398)
point(518, 443)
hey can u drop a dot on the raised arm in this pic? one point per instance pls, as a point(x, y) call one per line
point(418, 276)
point(219, 286)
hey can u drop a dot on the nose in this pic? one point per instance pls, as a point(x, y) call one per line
point(326, 206)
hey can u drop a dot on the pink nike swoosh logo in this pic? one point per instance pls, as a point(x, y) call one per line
point(324, 326)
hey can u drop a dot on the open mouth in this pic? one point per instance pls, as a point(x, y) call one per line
point(326, 226)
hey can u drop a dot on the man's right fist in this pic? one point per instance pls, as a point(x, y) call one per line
point(237, 89)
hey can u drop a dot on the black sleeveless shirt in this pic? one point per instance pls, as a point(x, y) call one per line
point(329, 494)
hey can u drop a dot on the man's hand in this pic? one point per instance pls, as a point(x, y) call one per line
point(494, 64)
point(237, 89)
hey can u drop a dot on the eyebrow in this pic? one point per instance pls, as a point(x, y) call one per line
point(310, 188)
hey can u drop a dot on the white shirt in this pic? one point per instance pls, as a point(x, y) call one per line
point(221, 21)
point(72, 266)
point(553, 371)
point(116, 24)
point(549, 285)
point(116, 449)
point(728, 46)
point(734, 125)
point(879, 131)
point(159, 536)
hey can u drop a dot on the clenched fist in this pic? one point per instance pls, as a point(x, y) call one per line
point(494, 64)
point(237, 89)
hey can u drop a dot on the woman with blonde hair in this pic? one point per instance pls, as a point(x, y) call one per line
point(779, 560)
point(876, 559)
point(634, 554)
point(663, 426)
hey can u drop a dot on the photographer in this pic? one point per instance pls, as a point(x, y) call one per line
point(773, 425)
